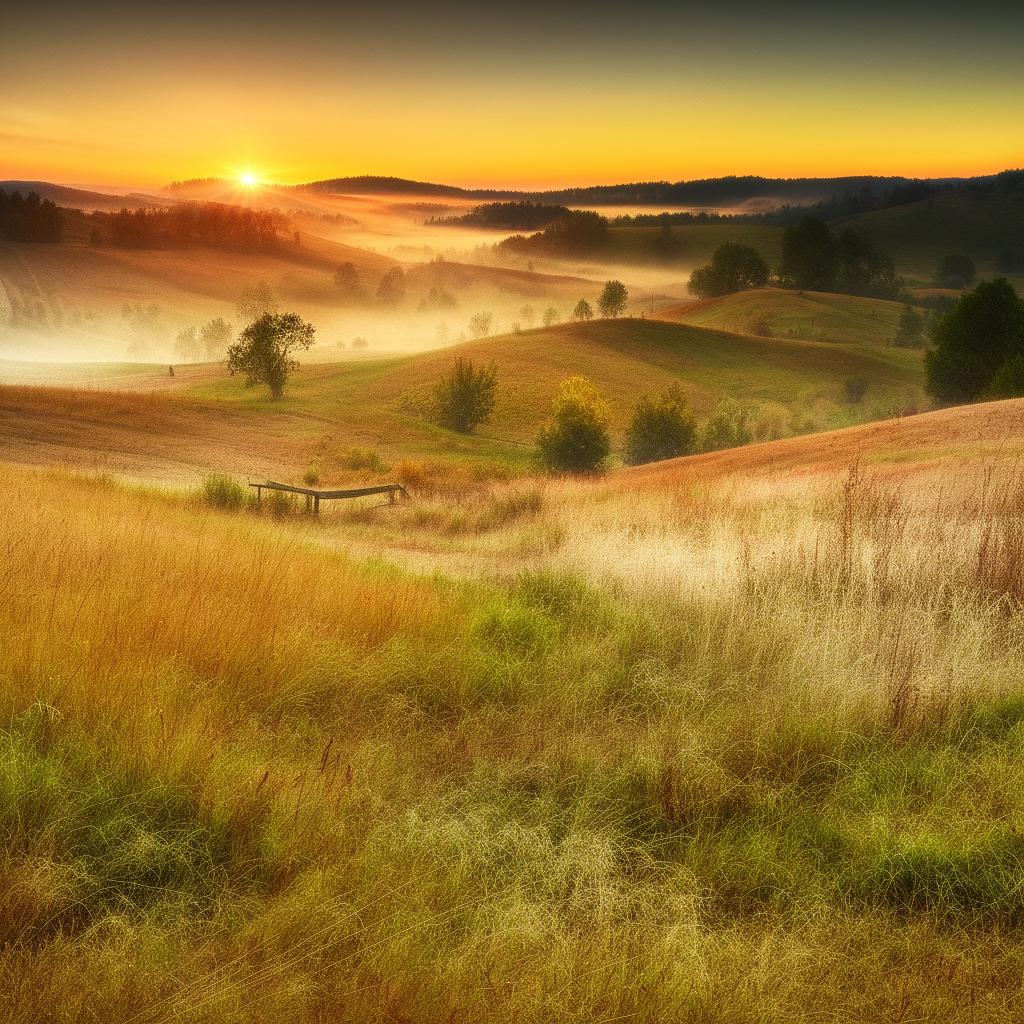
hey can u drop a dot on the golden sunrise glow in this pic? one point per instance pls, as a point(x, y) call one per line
point(248, 180)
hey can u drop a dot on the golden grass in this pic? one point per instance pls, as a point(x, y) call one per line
point(694, 742)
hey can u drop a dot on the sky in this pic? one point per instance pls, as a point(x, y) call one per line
point(523, 95)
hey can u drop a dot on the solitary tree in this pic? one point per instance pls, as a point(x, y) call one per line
point(480, 324)
point(391, 289)
point(661, 428)
point(255, 301)
point(346, 280)
point(810, 255)
point(733, 268)
point(583, 311)
point(956, 271)
point(186, 345)
point(550, 316)
point(910, 329)
point(215, 337)
point(264, 350)
point(613, 298)
point(464, 397)
point(575, 439)
point(973, 341)
point(528, 316)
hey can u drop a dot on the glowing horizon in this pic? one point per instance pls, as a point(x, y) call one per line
point(526, 99)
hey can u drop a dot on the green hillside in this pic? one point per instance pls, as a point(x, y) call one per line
point(819, 316)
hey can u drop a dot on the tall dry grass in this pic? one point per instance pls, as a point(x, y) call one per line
point(740, 751)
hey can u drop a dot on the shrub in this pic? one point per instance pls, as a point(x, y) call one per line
point(1009, 379)
point(728, 427)
point(956, 270)
point(311, 477)
point(391, 289)
point(464, 397)
point(480, 324)
point(660, 429)
point(224, 492)
point(856, 388)
point(363, 459)
point(910, 329)
point(760, 327)
point(575, 439)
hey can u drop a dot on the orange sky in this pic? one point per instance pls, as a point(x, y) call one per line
point(141, 110)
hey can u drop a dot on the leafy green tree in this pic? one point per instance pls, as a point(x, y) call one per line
point(863, 270)
point(346, 280)
point(956, 270)
point(256, 300)
point(464, 397)
point(575, 439)
point(810, 255)
point(550, 316)
point(1009, 379)
point(910, 329)
point(215, 337)
point(733, 268)
point(613, 298)
point(661, 428)
point(973, 341)
point(728, 427)
point(391, 289)
point(264, 350)
point(583, 311)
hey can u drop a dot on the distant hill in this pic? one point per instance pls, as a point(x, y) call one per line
point(83, 199)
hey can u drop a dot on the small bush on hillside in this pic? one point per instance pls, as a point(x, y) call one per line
point(464, 397)
point(856, 388)
point(575, 439)
point(550, 316)
point(956, 270)
point(910, 329)
point(480, 324)
point(279, 504)
point(391, 289)
point(224, 492)
point(728, 427)
point(311, 477)
point(761, 328)
point(660, 429)
point(367, 459)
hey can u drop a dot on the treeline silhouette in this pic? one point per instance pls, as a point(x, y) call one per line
point(213, 224)
point(524, 216)
point(29, 218)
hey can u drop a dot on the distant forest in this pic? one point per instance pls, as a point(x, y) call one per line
point(523, 216)
point(29, 218)
point(212, 224)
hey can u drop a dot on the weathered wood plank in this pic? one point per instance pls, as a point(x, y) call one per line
point(349, 492)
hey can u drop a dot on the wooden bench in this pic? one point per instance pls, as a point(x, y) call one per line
point(313, 495)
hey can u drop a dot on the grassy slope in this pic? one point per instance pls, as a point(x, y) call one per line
point(824, 316)
point(329, 408)
point(780, 782)
point(918, 235)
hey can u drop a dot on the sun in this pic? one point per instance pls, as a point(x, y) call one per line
point(248, 180)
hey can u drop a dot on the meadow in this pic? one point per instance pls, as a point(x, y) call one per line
point(733, 738)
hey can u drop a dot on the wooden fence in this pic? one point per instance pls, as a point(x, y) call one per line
point(313, 495)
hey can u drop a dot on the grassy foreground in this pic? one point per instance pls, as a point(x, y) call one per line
point(720, 753)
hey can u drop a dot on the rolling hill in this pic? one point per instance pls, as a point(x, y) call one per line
point(211, 420)
point(822, 316)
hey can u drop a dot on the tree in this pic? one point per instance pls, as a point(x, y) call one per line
point(956, 270)
point(186, 345)
point(660, 428)
point(480, 324)
point(346, 280)
point(973, 341)
point(583, 311)
point(910, 329)
point(810, 255)
point(575, 439)
point(862, 269)
point(256, 300)
point(528, 316)
point(729, 426)
point(1009, 379)
point(264, 350)
point(613, 298)
point(733, 268)
point(464, 397)
point(391, 289)
point(215, 337)
point(550, 316)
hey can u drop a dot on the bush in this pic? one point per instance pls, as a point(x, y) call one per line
point(1009, 379)
point(728, 427)
point(224, 492)
point(363, 459)
point(660, 429)
point(956, 271)
point(760, 327)
point(464, 397)
point(856, 388)
point(575, 439)
point(910, 329)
